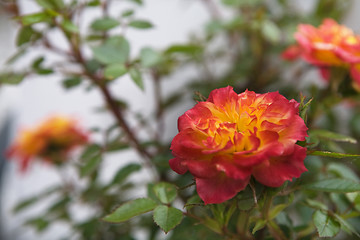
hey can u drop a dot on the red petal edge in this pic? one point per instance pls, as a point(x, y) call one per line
point(219, 189)
point(276, 171)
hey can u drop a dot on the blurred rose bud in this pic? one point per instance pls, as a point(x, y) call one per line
point(50, 141)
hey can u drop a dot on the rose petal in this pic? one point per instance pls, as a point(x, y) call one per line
point(291, 53)
point(201, 168)
point(227, 165)
point(219, 189)
point(277, 170)
point(177, 166)
point(192, 117)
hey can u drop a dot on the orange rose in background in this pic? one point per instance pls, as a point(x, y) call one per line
point(230, 137)
point(50, 141)
point(329, 45)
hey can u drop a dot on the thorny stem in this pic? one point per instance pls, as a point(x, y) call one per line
point(254, 192)
point(187, 186)
point(117, 112)
point(159, 105)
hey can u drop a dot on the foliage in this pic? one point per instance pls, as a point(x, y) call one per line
point(323, 202)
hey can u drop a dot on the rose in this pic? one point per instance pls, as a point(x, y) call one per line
point(230, 137)
point(329, 45)
point(50, 141)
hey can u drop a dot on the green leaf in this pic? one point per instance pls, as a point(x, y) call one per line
point(32, 200)
point(38, 223)
point(136, 77)
point(104, 24)
point(51, 4)
point(17, 55)
point(115, 50)
point(90, 151)
point(276, 210)
point(90, 166)
point(117, 145)
point(232, 3)
point(149, 57)
point(37, 66)
point(34, 18)
point(69, 26)
point(139, 2)
point(71, 82)
point(127, 13)
point(25, 204)
point(185, 49)
point(326, 225)
point(316, 204)
point(167, 218)
point(27, 34)
point(338, 185)
point(238, 3)
point(131, 209)
point(333, 154)
point(59, 205)
point(124, 172)
point(92, 158)
point(346, 226)
point(342, 171)
point(11, 78)
point(45, 3)
point(94, 3)
point(140, 24)
point(114, 71)
point(321, 133)
point(260, 224)
point(93, 66)
point(271, 31)
point(37, 62)
point(212, 224)
point(165, 192)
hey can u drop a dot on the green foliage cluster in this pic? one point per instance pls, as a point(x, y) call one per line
point(322, 203)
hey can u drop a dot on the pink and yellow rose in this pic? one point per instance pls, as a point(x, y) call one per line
point(329, 45)
point(230, 137)
point(50, 141)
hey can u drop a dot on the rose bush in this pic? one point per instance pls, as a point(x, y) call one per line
point(50, 141)
point(229, 141)
point(230, 137)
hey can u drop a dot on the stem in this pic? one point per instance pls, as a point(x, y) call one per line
point(267, 205)
point(213, 9)
point(254, 192)
point(242, 226)
point(187, 186)
point(99, 81)
point(159, 105)
point(337, 75)
point(274, 229)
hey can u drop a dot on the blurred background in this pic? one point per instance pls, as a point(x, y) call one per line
point(38, 97)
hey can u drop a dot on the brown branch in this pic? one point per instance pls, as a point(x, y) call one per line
point(100, 82)
point(159, 105)
point(213, 9)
